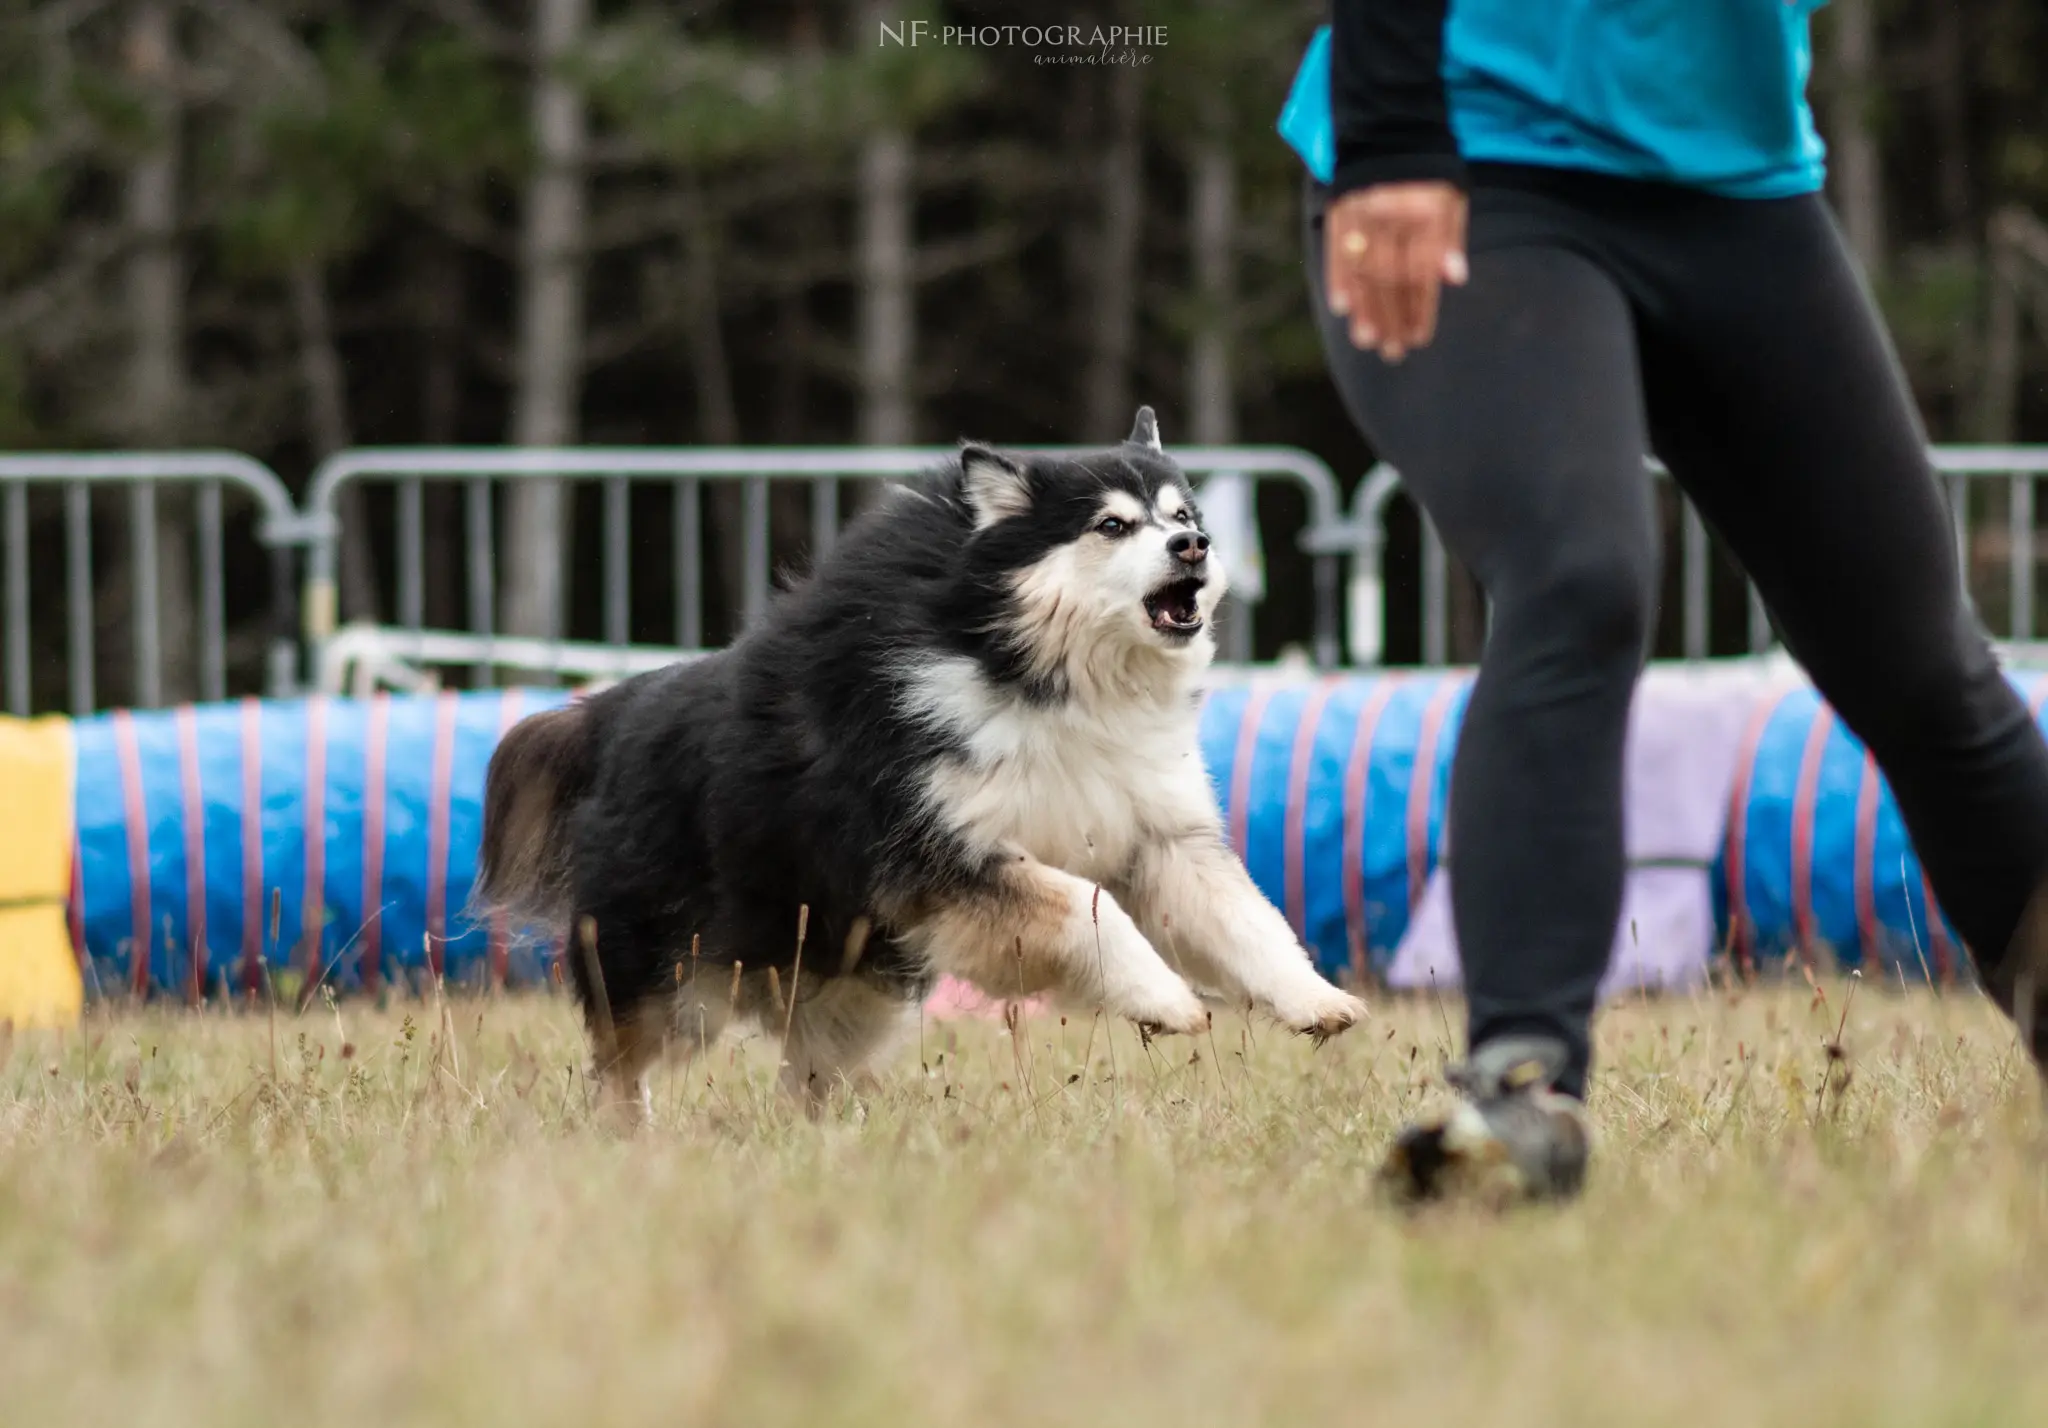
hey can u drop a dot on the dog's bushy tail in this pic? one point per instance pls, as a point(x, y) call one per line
point(539, 770)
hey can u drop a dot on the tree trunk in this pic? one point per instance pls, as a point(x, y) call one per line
point(2017, 277)
point(328, 425)
point(1212, 222)
point(1227, 498)
point(887, 307)
point(1958, 206)
point(789, 420)
point(441, 311)
point(793, 333)
point(1859, 169)
point(1106, 401)
point(550, 328)
point(441, 307)
point(1951, 122)
point(887, 316)
point(157, 381)
point(718, 419)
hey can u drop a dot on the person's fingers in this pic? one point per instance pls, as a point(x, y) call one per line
point(1396, 300)
point(1365, 318)
point(1457, 265)
point(1351, 252)
point(1375, 269)
point(1368, 311)
point(1347, 239)
point(1425, 274)
point(1336, 275)
point(1410, 271)
point(1428, 288)
point(1357, 301)
point(1443, 262)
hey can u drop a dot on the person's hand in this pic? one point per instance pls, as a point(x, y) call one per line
point(1386, 249)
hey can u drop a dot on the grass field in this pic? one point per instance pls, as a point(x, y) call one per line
point(406, 1215)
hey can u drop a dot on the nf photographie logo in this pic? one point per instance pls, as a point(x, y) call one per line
point(1048, 44)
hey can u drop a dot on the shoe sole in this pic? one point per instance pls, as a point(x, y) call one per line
point(1459, 1155)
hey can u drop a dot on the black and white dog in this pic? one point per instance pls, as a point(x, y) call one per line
point(965, 745)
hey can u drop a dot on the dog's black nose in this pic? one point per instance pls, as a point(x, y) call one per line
point(1190, 546)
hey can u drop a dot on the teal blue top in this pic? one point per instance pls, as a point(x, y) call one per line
point(1710, 94)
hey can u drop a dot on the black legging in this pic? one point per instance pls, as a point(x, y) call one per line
point(1733, 338)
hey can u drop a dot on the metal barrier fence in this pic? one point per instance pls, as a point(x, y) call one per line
point(210, 474)
point(687, 472)
point(1991, 495)
point(1967, 471)
point(1970, 474)
point(1365, 536)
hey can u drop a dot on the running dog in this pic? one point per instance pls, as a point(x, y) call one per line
point(965, 745)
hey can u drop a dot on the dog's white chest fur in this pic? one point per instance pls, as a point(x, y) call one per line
point(1075, 787)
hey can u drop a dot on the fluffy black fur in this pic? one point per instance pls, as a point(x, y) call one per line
point(713, 800)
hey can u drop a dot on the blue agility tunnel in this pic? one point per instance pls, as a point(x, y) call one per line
point(1816, 862)
point(357, 824)
point(1334, 793)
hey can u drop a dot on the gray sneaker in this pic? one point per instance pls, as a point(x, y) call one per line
point(1511, 1138)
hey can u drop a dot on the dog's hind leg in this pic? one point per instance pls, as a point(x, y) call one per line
point(837, 1032)
point(1200, 907)
point(620, 1067)
point(681, 1027)
point(1032, 928)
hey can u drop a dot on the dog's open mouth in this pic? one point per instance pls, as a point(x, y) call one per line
point(1173, 607)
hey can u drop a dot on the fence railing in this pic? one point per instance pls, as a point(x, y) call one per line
point(1991, 496)
point(210, 476)
point(1971, 475)
point(687, 472)
point(1365, 536)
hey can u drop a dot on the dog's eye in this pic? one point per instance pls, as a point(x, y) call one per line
point(1112, 526)
point(1183, 517)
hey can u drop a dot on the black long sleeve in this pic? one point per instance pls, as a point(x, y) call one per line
point(1387, 103)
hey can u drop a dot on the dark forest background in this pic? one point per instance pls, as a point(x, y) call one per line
point(292, 226)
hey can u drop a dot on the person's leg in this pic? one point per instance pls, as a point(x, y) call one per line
point(1775, 399)
point(1520, 431)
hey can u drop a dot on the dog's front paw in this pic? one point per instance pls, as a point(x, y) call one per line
point(1320, 1013)
point(1174, 1010)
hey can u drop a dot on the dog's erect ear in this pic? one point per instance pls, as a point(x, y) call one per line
point(1145, 431)
point(997, 487)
